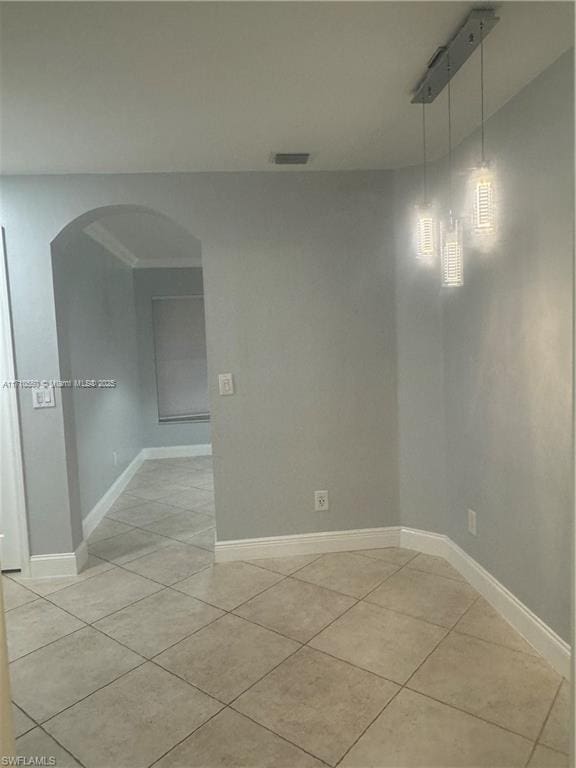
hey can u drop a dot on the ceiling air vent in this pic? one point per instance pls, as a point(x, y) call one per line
point(291, 158)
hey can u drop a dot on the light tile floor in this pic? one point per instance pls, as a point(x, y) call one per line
point(375, 659)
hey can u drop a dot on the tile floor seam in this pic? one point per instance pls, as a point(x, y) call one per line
point(149, 578)
point(345, 594)
point(541, 731)
point(370, 724)
point(442, 639)
point(401, 686)
point(143, 502)
point(89, 625)
point(413, 616)
point(406, 615)
point(15, 608)
point(535, 655)
point(162, 500)
point(36, 723)
point(123, 674)
point(155, 551)
point(88, 578)
point(93, 621)
point(472, 714)
point(187, 637)
point(398, 569)
point(287, 575)
point(180, 640)
point(32, 727)
point(380, 549)
point(66, 749)
point(51, 642)
point(147, 530)
point(183, 680)
point(269, 672)
point(460, 580)
point(406, 686)
point(355, 666)
point(149, 765)
point(162, 519)
point(130, 605)
point(92, 693)
point(284, 738)
point(231, 610)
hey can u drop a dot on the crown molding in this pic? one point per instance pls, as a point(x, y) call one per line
point(102, 235)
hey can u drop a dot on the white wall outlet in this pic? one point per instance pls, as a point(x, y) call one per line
point(115, 458)
point(226, 383)
point(321, 501)
point(43, 397)
point(472, 522)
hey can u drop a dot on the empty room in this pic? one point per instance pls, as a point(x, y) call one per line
point(286, 384)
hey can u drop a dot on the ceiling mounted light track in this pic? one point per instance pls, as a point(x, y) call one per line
point(457, 51)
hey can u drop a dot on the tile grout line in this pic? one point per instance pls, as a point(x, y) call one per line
point(541, 731)
point(404, 686)
point(401, 687)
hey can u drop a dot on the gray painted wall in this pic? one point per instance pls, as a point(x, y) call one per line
point(96, 323)
point(149, 283)
point(299, 290)
point(485, 370)
point(508, 358)
point(421, 417)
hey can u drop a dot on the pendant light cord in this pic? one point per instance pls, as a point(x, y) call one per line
point(449, 143)
point(424, 153)
point(482, 90)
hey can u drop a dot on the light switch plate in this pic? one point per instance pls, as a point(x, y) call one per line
point(43, 397)
point(226, 383)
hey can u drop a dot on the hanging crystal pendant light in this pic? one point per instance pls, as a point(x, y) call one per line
point(452, 254)
point(425, 220)
point(483, 179)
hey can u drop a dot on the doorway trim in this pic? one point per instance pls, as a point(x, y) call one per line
point(12, 428)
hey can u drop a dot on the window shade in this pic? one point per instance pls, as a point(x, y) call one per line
point(181, 366)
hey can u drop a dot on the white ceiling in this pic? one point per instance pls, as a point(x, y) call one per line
point(146, 240)
point(135, 87)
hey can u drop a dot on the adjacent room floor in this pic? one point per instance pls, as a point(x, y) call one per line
point(154, 655)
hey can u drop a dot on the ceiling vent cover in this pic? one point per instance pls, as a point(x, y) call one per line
point(291, 158)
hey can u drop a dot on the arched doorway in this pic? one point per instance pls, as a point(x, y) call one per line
point(128, 295)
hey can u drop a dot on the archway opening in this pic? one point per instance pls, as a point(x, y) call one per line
point(129, 304)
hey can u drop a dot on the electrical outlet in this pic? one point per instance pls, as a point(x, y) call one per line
point(321, 501)
point(115, 458)
point(472, 522)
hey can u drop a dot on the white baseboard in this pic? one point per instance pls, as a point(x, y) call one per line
point(177, 451)
point(63, 564)
point(306, 544)
point(101, 507)
point(173, 452)
point(555, 650)
point(535, 631)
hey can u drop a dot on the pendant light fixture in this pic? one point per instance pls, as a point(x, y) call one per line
point(452, 256)
point(483, 181)
point(425, 222)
